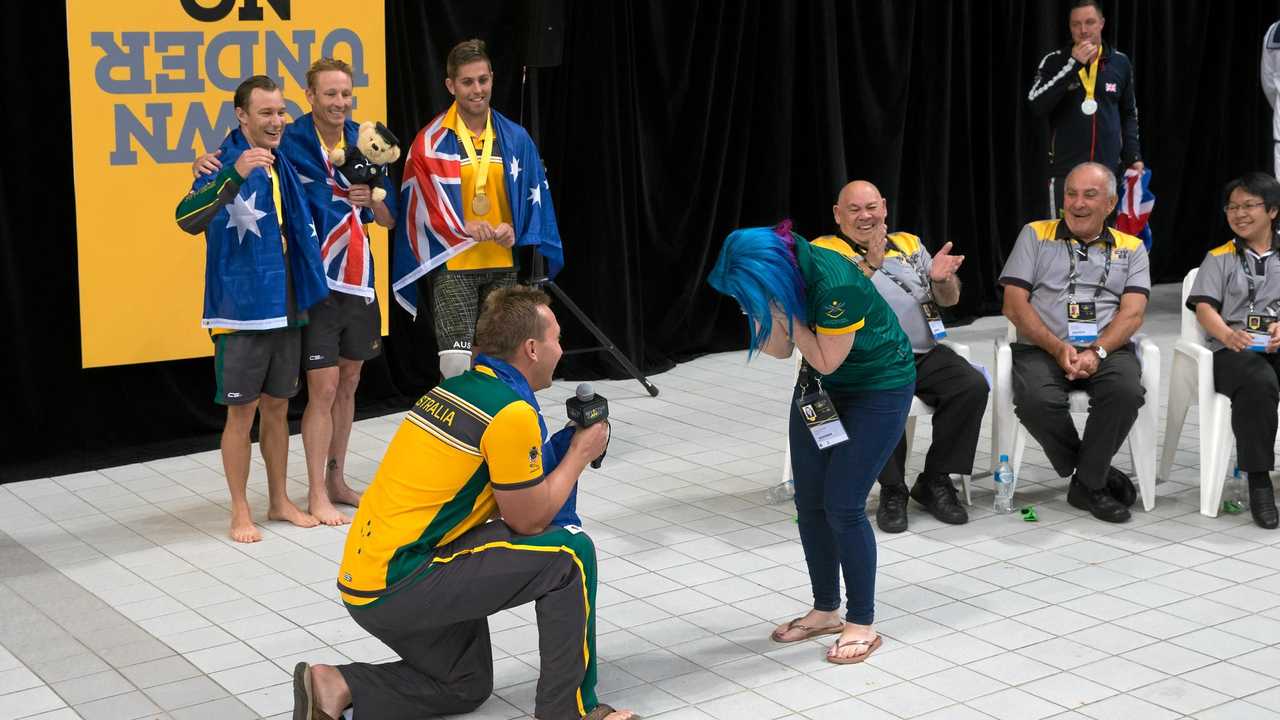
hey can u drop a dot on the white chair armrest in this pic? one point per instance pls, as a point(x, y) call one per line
point(1203, 359)
point(960, 348)
point(1149, 361)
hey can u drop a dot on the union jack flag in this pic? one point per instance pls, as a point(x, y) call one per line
point(431, 228)
point(1136, 202)
point(344, 244)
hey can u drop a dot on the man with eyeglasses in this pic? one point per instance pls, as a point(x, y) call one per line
point(1086, 91)
point(916, 284)
point(1076, 290)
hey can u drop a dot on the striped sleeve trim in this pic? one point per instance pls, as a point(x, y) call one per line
point(518, 485)
point(1193, 300)
point(1016, 282)
point(1038, 89)
point(844, 330)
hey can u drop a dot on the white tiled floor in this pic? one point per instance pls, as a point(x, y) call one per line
point(122, 598)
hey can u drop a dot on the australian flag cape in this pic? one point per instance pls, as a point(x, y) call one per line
point(554, 446)
point(344, 244)
point(244, 263)
point(430, 227)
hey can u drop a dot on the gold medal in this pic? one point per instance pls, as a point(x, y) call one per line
point(479, 165)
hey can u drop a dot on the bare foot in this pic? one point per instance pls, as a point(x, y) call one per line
point(242, 528)
point(340, 492)
point(289, 512)
point(814, 620)
point(330, 690)
point(323, 511)
point(620, 715)
point(847, 646)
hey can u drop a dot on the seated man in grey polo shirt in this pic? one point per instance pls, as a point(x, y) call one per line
point(1076, 291)
point(916, 284)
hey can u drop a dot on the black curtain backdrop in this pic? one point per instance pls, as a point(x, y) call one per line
point(667, 125)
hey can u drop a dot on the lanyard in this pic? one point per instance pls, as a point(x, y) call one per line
point(1075, 274)
point(910, 260)
point(1248, 278)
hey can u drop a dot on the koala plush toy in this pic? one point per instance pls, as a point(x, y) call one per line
point(366, 164)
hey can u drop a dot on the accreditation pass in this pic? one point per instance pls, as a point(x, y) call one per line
point(822, 420)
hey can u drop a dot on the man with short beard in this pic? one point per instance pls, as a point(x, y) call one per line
point(1076, 290)
point(474, 188)
point(916, 284)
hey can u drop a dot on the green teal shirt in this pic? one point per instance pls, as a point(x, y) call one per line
point(842, 300)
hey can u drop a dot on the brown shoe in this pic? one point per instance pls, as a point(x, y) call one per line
point(304, 703)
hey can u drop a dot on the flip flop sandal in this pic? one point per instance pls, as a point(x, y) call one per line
point(601, 711)
point(304, 704)
point(809, 632)
point(871, 647)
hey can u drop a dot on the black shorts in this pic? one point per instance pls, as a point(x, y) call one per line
point(456, 298)
point(341, 326)
point(247, 364)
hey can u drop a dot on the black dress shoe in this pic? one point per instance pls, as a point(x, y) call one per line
point(1121, 487)
point(1262, 504)
point(938, 496)
point(892, 513)
point(1098, 502)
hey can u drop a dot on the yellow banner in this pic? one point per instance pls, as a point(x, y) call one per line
point(151, 88)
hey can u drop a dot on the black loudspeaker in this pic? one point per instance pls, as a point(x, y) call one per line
point(544, 33)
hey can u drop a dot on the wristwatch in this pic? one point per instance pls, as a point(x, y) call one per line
point(1101, 351)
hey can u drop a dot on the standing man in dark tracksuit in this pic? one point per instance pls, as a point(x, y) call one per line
point(1086, 91)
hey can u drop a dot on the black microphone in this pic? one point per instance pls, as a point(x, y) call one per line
point(586, 409)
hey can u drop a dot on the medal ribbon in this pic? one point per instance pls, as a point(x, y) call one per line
point(482, 167)
point(1089, 76)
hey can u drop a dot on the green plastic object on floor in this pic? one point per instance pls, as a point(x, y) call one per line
point(1029, 514)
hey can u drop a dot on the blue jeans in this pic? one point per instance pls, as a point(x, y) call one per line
point(831, 495)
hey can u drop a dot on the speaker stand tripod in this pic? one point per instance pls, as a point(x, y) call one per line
point(538, 277)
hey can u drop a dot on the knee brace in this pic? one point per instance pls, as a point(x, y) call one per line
point(454, 363)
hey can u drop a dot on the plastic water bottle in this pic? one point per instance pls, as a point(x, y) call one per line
point(1235, 498)
point(1005, 482)
point(780, 493)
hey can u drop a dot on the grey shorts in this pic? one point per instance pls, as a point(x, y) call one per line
point(343, 326)
point(456, 298)
point(247, 364)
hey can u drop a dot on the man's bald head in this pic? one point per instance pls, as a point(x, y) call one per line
point(860, 211)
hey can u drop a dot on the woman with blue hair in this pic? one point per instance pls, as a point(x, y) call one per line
point(856, 383)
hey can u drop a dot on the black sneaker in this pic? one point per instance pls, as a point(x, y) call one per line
point(1262, 504)
point(891, 516)
point(938, 496)
point(1098, 502)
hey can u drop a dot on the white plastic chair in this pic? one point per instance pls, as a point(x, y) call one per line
point(1009, 437)
point(1191, 382)
point(918, 410)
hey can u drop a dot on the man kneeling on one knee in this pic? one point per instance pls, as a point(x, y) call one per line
point(1076, 290)
point(427, 562)
point(916, 284)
